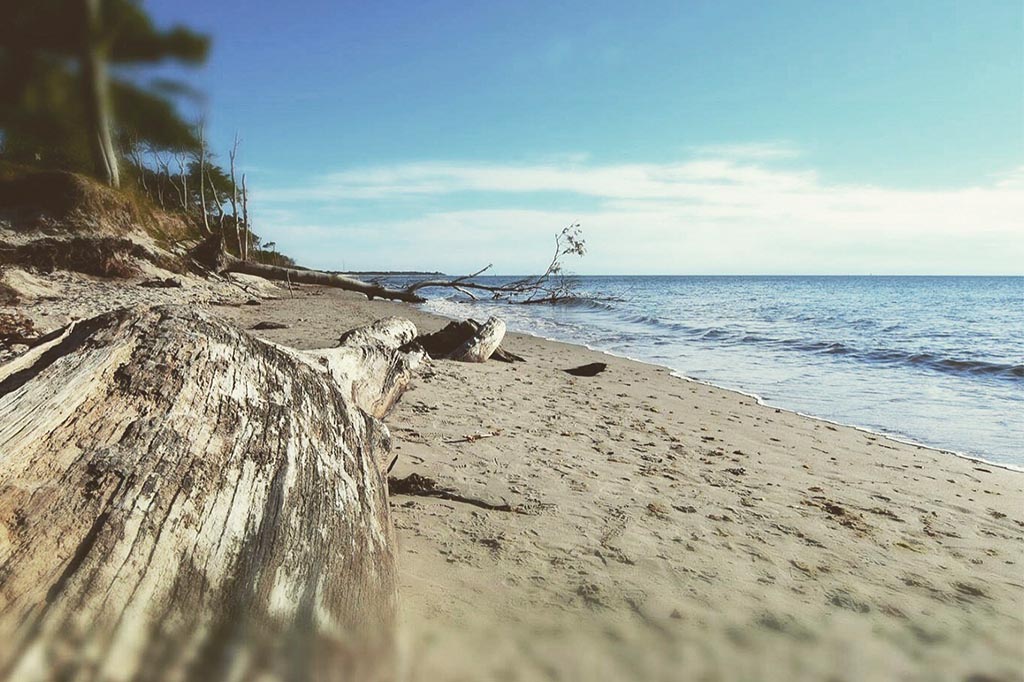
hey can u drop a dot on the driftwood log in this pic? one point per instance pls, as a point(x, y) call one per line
point(457, 340)
point(211, 255)
point(481, 345)
point(182, 501)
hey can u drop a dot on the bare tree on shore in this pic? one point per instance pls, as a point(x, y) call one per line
point(552, 286)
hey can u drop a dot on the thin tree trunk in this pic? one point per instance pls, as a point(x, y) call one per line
point(97, 96)
point(245, 219)
point(183, 173)
point(234, 195)
point(202, 185)
point(216, 200)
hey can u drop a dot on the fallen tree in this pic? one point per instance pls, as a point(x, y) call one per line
point(212, 256)
point(180, 500)
point(552, 286)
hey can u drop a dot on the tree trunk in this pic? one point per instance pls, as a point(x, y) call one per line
point(234, 198)
point(211, 255)
point(446, 341)
point(202, 171)
point(245, 220)
point(326, 279)
point(97, 97)
point(483, 344)
point(181, 500)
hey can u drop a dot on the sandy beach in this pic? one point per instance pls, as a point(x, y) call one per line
point(636, 525)
point(234, 446)
point(663, 529)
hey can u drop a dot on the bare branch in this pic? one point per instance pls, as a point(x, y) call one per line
point(551, 286)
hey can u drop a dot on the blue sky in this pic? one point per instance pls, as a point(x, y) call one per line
point(703, 137)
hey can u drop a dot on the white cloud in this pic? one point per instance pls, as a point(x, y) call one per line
point(725, 210)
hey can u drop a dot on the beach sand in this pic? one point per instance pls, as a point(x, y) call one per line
point(639, 526)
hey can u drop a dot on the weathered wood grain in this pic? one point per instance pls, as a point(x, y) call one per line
point(483, 344)
point(182, 501)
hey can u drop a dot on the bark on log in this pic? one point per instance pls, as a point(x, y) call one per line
point(442, 343)
point(445, 342)
point(369, 361)
point(211, 255)
point(182, 501)
point(480, 347)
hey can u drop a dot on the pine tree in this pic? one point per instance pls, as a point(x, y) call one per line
point(63, 101)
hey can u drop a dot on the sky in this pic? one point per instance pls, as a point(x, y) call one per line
point(686, 137)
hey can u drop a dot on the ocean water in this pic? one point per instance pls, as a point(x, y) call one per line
point(934, 360)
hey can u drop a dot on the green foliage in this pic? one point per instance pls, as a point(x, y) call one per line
point(42, 114)
point(46, 120)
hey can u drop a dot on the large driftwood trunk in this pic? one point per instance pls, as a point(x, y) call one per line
point(182, 501)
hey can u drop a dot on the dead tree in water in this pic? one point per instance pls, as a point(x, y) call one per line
point(551, 286)
point(180, 500)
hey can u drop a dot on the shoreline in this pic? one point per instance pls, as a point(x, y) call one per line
point(637, 523)
point(665, 522)
point(864, 429)
point(905, 440)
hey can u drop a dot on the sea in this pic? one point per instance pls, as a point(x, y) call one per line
point(937, 361)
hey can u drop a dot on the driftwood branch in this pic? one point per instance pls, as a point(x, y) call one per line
point(551, 286)
point(180, 500)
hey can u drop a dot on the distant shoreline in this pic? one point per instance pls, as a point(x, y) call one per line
point(386, 273)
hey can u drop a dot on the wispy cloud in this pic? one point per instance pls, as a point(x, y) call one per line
point(729, 208)
point(751, 151)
